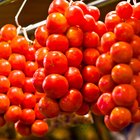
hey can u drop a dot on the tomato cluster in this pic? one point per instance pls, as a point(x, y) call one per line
point(76, 64)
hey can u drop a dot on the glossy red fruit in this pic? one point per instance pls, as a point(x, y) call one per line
point(4, 103)
point(30, 55)
point(49, 107)
point(73, 75)
point(55, 86)
point(105, 103)
point(55, 62)
point(39, 128)
point(135, 82)
point(136, 116)
point(39, 95)
point(134, 107)
point(135, 65)
point(57, 42)
point(121, 52)
point(15, 95)
point(136, 10)
point(90, 92)
point(36, 45)
point(120, 117)
point(56, 23)
point(94, 12)
point(122, 91)
point(13, 114)
point(72, 101)
point(95, 109)
point(122, 74)
point(4, 84)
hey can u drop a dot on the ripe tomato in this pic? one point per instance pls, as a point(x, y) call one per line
point(4, 84)
point(55, 86)
point(72, 101)
point(49, 107)
point(75, 36)
point(17, 61)
point(4, 103)
point(135, 82)
point(55, 62)
point(13, 114)
point(122, 74)
point(120, 117)
point(30, 54)
point(121, 52)
point(39, 128)
point(105, 103)
point(15, 95)
point(136, 10)
point(5, 50)
point(8, 32)
point(136, 116)
point(41, 35)
point(122, 91)
point(135, 65)
point(16, 78)
point(39, 95)
point(90, 92)
point(134, 107)
point(5, 67)
point(36, 45)
point(57, 42)
point(73, 75)
point(94, 12)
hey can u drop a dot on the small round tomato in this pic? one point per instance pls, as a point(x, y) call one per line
point(121, 52)
point(30, 54)
point(55, 86)
point(29, 100)
point(49, 107)
point(4, 84)
point(72, 101)
point(91, 74)
point(135, 65)
point(13, 114)
point(122, 74)
point(105, 103)
point(73, 75)
point(27, 116)
point(124, 95)
point(120, 117)
point(15, 95)
point(134, 107)
point(75, 36)
point(94, 12)
point(5, 67)
point(8, 32)
point(5, 50)
point(16, 78)
point(55, 62)
point(90, 92)
point(17, 61)
point(136, 116)
point(41, 35)
point(135, 82)
point(74, 57)
point(36, 45)
point(57, 42)
point(39, 128)
point(39, 95)
point(90, 56)
point(136, 10)
point(4, 103)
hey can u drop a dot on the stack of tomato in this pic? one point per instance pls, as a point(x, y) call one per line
point(76, 64)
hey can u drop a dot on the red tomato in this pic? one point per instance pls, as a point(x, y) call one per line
point(4, 103)
point(72, 101)
point(136, 11)
point(15, 95)
point(136, 116)
point(95, 109)
point(13, 114)
point(73, 75)
point(5, 50)
point(55, 86)
point(17, 61)
point(5, 67)
point(36, 45)
point(4, 84)
point(94, 12)
point(124, 95)
point(134, 107)
point(135, 82)
point(55, 62)
point(30, 54)
point(135, 65)
point(57, 42)
point(39, 128)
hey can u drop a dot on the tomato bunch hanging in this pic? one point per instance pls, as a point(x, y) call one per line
point(76, 64)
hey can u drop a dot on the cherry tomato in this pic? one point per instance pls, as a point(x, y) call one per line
point(36, 45)
point(135, 65)
point(136, 116)
point(95, 109)
point(134, 107)
point(39, 95)
point(136, 10)
point(4, 84)
point(30, 54)
point(94, 12)
point(135, 82)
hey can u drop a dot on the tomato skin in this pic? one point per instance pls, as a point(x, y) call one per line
point(36, 44)
point(17, 61)
point(30, 55)
point(5, 67)
point(94, 12)
point(74, 57)
point(55, 62)
point(39, 95)
point(13, 114)
point(49, 107)
point(4, 103)
point(134, 107)
point(136, 11)
point(136, 116)
point(5, 50)
point(135, 65)
point(73, 75)
point(4, 84)
point(55, 86)
point(135, 82)
point(72, 101)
